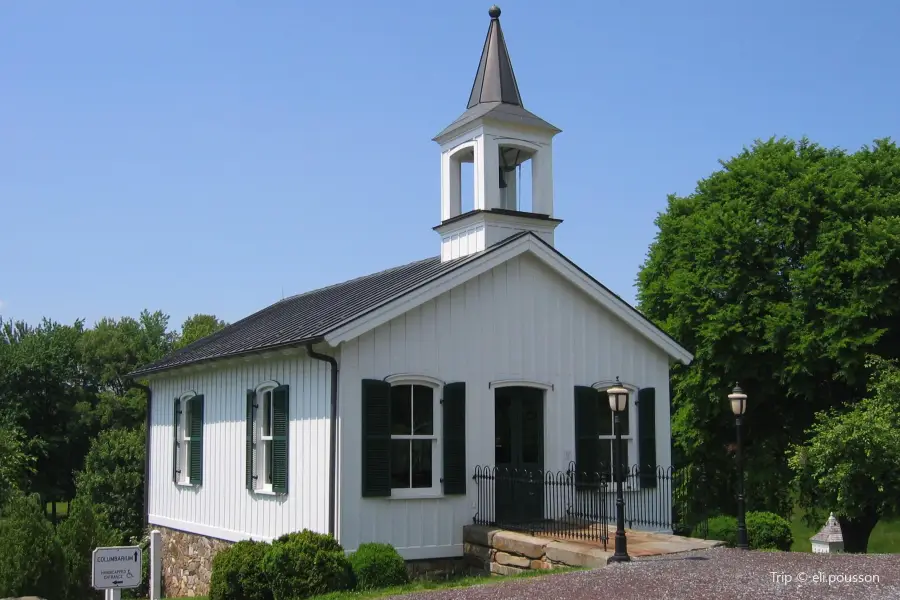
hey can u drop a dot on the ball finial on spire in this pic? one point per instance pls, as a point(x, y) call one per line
point(494, 11)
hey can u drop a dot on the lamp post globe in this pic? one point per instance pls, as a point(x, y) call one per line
point(738, 400)
point(618, 402)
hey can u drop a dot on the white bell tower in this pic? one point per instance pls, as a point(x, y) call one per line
point(498, 136)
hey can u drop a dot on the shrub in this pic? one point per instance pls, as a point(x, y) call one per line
point(113, 479)
point(722, 528)
point(768, 531)
point(237, 573)
point(304, 564)
point(81, 532)
point(378, 566)
point(765, 531)
point(31, 561)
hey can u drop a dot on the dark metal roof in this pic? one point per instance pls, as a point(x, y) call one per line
point(308, 317)
point(495, 80)
point(495, 93)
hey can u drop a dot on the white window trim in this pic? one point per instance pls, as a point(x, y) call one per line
point(437, 476)
point(628, 441)
point(260, 486)
point(184, 439)
point(501, 383)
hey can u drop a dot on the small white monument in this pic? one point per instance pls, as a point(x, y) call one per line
point(829, 539)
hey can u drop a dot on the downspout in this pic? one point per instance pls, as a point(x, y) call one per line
point(332, 457)
point(146, 389)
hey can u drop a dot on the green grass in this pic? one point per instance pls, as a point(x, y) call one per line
point(885, 538)
point(419, 586)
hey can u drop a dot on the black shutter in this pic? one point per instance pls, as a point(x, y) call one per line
point(196, 414)
point(251, 447)
point(376, 438)
point(454, 432)
point(280, 439)
point(175, 424)
point(646, 406)
point(587, 432)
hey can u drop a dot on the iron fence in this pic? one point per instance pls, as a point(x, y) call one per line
point(558, 504)
point(573, 504)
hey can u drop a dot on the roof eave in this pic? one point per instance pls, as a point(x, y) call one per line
point(145, 372)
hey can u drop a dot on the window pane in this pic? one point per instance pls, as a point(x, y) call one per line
point(401, 410)
point(606, 458)
point(624, 420)
point(606, 420)
point(399, 463)
point(423, 410)
point(267, 414)
point(269, 461)
point(421, 463)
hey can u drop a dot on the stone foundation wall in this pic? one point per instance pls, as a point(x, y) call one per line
point(502, 552)
point(187, 562)
point(438, 569)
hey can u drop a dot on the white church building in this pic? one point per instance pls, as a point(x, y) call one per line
point(362, 409)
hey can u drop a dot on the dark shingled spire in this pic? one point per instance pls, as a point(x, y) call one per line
point(495, 80)
point(495, 93)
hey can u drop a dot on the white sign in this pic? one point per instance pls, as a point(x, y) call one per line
point(116, 568)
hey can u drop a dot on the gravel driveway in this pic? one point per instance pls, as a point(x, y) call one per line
point(720, 574)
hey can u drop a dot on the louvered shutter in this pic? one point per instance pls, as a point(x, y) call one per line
point(587, 432)
point(176, 421)
point(251, 445)
point(376, 438)
point(454, 433)
point(196, 414)
point(280, 424)
point(646, 407)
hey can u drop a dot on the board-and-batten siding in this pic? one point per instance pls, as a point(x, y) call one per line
point(223, 507)
point(518, 321)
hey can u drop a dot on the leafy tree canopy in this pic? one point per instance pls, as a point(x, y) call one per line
point(781, 271)
point(851, 462)
point(198, 327)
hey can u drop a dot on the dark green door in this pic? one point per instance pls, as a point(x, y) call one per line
point(519, 454)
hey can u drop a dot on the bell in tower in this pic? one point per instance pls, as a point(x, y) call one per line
point(505, 143)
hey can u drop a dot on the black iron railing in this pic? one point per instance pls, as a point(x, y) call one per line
point(557, 504)
point(572, 504)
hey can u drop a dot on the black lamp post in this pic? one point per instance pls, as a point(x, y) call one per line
point(618, 401)
point(738, 406)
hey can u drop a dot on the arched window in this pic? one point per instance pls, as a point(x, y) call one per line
point(415, 436)
point(188, 442)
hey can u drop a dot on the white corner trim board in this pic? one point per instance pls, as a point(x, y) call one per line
point(482, 263)
point(541, 385)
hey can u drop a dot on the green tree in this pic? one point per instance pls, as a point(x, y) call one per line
point(197, 327)
point(778, 271)
point(82, 531)
point(851, 462)
point(31, 560)
point(42, 384)
point(114, 348)
point(113, 480)
point(17, 462)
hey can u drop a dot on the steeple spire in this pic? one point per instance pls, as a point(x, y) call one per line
point(495, 80)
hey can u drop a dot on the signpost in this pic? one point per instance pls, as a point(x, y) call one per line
point(116, 568)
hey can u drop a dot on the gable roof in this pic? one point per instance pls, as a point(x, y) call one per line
point(307, 317)
point(346, 310)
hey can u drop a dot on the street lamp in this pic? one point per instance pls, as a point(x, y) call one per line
point(739, 406)
point(618, 401)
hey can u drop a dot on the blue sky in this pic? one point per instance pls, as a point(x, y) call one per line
point(211, 156)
